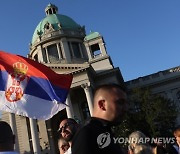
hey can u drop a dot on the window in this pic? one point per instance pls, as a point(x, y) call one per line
point(53, 53)
point(85, 110)
point(44, 55)
point(76, 49)
point(36, 57)
point(69, 45)
point(95, 50)
point(50, 11)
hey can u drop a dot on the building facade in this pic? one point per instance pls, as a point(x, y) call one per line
point(61, 44)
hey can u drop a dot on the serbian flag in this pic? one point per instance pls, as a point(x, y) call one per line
point(31, 89)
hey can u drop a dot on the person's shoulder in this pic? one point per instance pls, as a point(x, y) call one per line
point(82, 140)
point(86, 131)
point(170, 149)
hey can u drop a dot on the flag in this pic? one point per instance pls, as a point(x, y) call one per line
point(31, 89)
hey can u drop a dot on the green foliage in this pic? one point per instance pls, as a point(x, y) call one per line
point(154, 115)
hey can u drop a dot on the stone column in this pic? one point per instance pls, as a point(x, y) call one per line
point(69, 108)
point(88, 51)
point(35, 136)
point(66, 50)
point(102, 48)
point(89, 96)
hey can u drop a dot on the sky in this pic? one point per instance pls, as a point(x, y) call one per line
point(142, 36)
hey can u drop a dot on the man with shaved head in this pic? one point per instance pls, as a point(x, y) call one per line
point(110, 106)
point(7, 139)
point(67, 130)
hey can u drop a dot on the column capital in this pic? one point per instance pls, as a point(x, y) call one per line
point(85, 86)
point(89, 96)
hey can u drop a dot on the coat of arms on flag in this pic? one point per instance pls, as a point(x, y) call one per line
point(17, 82)
point(31, 89)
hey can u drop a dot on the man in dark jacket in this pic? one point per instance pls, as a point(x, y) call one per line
point(96, 137)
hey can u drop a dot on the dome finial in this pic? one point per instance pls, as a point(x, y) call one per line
point(51, 9)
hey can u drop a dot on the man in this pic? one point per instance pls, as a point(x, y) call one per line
point(177, 137)
point(110, 105)
point(67, 130)
point(7, 139)
point(175, 148)
point(62, 145)
point(138, 143)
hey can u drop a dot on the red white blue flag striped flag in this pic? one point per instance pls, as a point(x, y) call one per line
point(31, 89)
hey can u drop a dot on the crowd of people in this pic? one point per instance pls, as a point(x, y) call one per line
point(96, 136)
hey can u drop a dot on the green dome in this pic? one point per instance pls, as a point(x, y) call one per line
point(55, 19)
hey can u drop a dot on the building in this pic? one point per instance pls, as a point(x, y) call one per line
point(62, 44)
point(165, 83)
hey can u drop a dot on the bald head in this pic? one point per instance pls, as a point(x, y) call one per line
point(68, 128)
point(110, 102)
point(6, 137)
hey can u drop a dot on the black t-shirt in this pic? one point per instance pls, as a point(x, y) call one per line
point(95, 138)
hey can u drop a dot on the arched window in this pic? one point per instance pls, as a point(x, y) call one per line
point(52, 53)
point(44, 55)
point(36, 57)
point(76, 49)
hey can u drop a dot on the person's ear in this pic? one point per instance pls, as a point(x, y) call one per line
point(102, 105)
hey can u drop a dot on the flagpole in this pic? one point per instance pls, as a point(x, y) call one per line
point(35, 136)
point(12, 121)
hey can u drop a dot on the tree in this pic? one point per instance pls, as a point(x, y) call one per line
point(150, 113)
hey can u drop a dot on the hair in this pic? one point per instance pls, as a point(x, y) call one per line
point(70, 119)
point(110, 86)
point(177, 129)
point(136, 138)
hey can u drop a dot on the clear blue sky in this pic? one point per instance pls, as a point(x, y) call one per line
point(142, 36)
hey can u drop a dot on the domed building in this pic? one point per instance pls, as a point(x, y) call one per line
point(62, 44)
